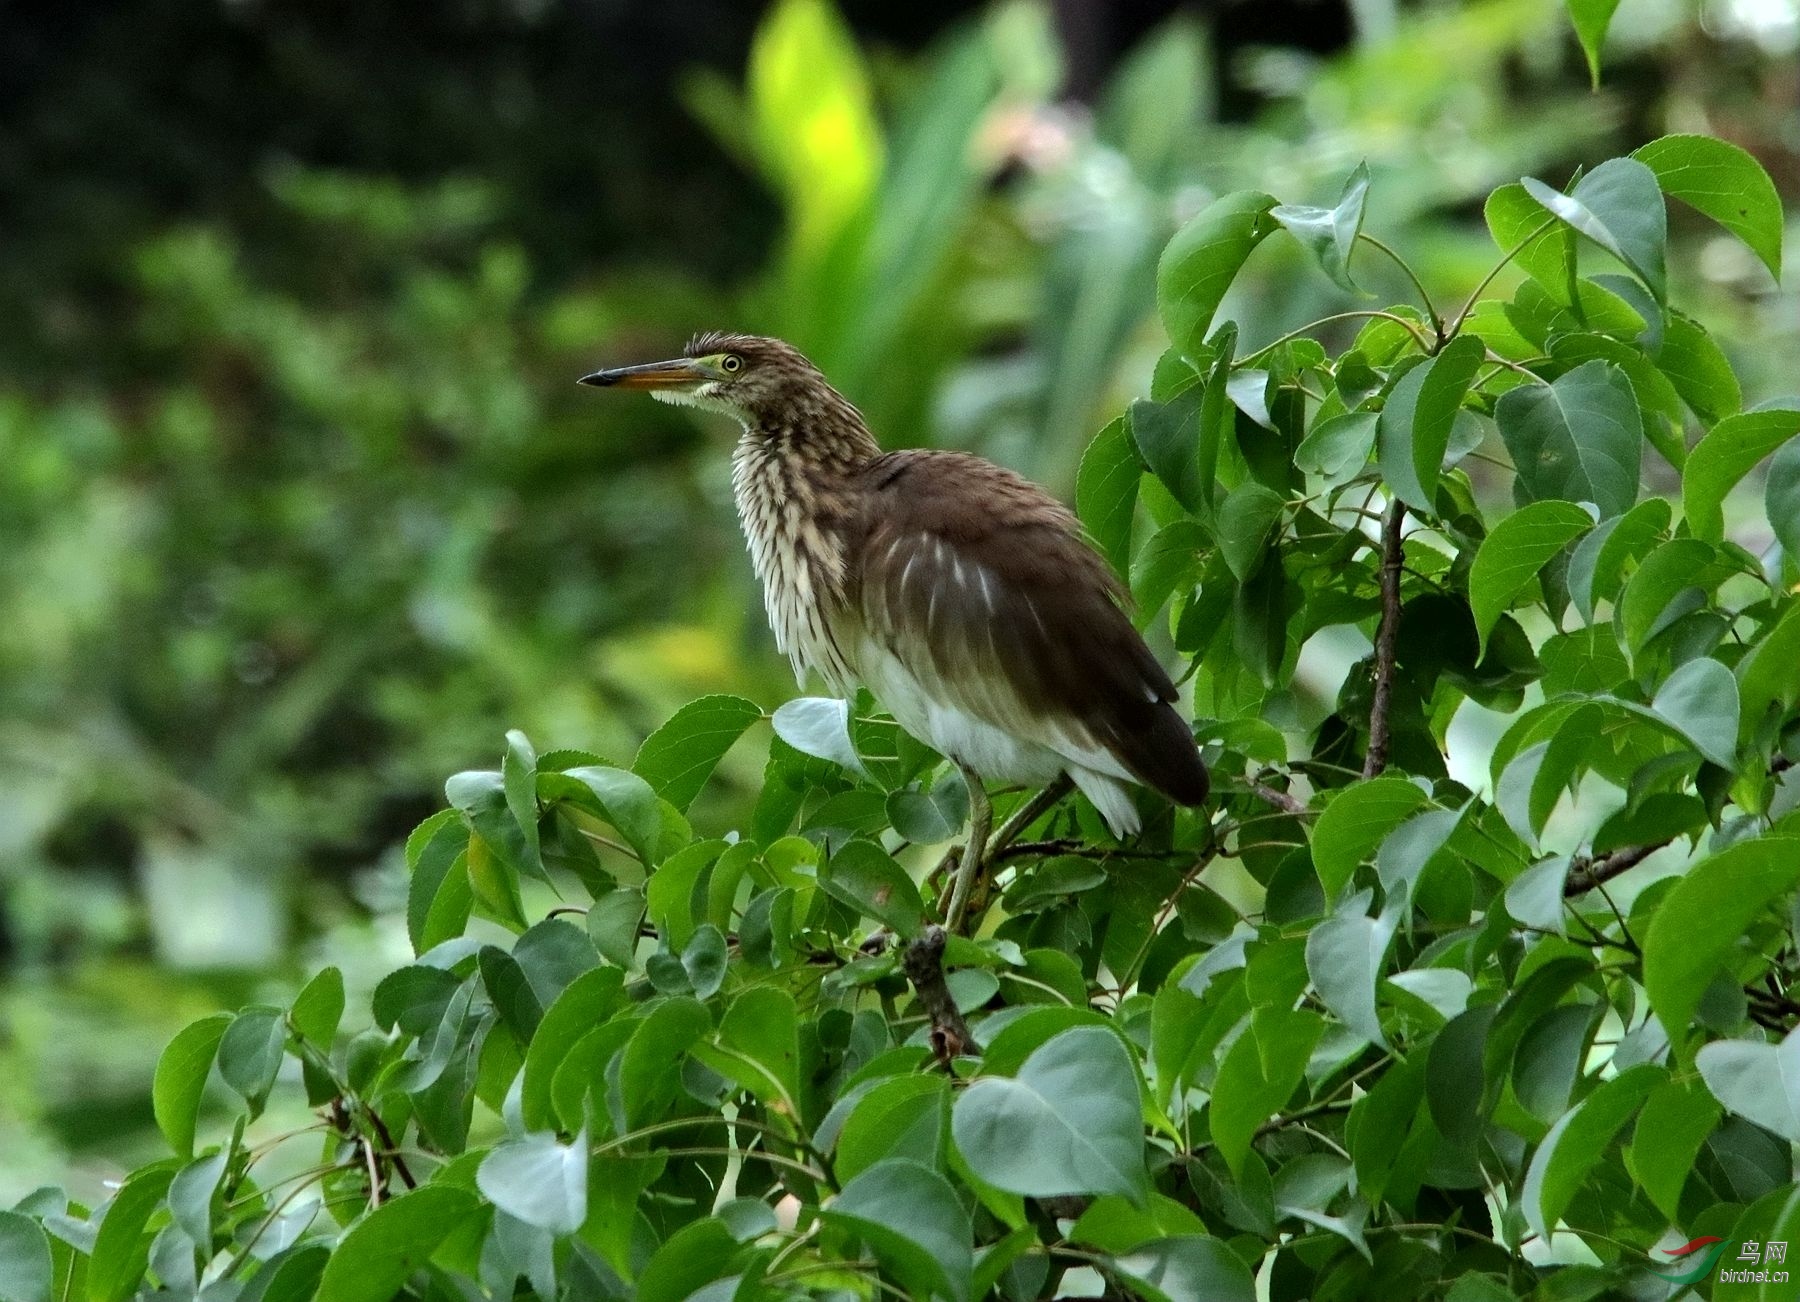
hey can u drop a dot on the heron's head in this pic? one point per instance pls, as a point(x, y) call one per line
point(751, 377)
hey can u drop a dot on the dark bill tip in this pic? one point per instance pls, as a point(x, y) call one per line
point(677, 373)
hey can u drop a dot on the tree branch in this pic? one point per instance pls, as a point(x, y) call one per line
point(1386, 633)
point(1587, 873)
point(924, 963)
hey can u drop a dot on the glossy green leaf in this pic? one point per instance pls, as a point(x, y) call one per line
point(1246, 517)
point(1701, 918)
point(121, 1248)
point(1066, 1123)
point(1759, 1082)
point(1597, 565)
point(863, 876)
point(1697, 367)
point(319, 1007)
point(1187, 1267)
point(1577, 1141)
point(1781, 497)
point(1167, 436)
point(1355, 822)
point(250, 1053)
point(1345, 955)
point(1671, 1127)
point(819, 726)
point(1106, 490)
point(539, 1180)
point(587, 1001)
point(1618, 206)
point(1258, 1075)
point(1579, 438)
point(1723, 181)
point(180, 1080)
point(1413, 432)
point(1728, 453)
point(930, 817)
point(1591, 18)
point(1513, 553)
point(1338, 447)
point(377, 1253)
point(26, 1272)
point(1200, 262)
point(1700, 701)
point(1545, 248)
point(679, 757)
point(1329, 234)
point(910, 1216)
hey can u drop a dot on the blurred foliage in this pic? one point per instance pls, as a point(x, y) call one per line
point(299, 508)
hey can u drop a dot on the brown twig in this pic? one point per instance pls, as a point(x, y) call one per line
point(1386, 634)
point(1280, 799)
point(1587, 873)
point(924, 963)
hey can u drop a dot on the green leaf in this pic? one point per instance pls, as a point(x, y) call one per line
point(1547, 255)
point(1759, 1082)
point(761, 1028)
point(191, 1198)
point(26, 1272)
point(319, 1007)
point(587, 1001)
point(678, 758)
point(1674, 1123)
point(1724, 182)
point(613, 924)
point(621, 798)
point(1329, 234)
point(1344, 957)
point(1258, 1075)
point(1355, 822)
point(1067, 1123)
point(1618, 206)
point(819, 726)
point(1245, 520)
point(1167, 435)
point(697, 1254)
point(518, 776)
point(652, 1058)
point(1728, 453)
point(439, 887)
point(1198, 265)
point(1700, 701)
point(1781, 498)
point(1597, 566)
point(376, 1254)
point(121, 1248)
point(866, 878)
point(1696, 366)
point(1770, 675)
point(1106, 490)
point(1338, 447)
point(1186, 1268)
point(181, 1080)
point(930, 817)
point(1591, 19)
point(1413, 431)
point(1512, 555)
point(1667, 583)
point(539, 1180)
point(911, 1217)
point(250, 1053)
point(1578, 1140)
point(1579, 439)
point(1703, 915)
point(703, 959)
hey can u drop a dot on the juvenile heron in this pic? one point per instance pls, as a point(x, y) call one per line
point(962, 595)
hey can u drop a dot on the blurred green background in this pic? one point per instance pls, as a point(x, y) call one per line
point(300, 507)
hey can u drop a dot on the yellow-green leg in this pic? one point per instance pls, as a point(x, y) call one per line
point(981, 823)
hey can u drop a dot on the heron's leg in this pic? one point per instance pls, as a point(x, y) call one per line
point(981, 822)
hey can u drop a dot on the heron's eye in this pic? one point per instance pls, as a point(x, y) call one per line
point(732, 364)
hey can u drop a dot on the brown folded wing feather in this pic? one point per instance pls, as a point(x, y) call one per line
point(980, 582)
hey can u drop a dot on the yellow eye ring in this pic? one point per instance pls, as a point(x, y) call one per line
point(732, 364)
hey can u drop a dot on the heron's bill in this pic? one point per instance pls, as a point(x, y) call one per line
point(679, 373)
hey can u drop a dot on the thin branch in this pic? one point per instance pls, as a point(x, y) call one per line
point(924, 964)
point(1027, 814)
point(1280, 799)
point(1386, 634)
point(1474, 298)
point(1587, 873)
point(1437, 322)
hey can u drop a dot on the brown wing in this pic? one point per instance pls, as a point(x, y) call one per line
point(979, 581)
